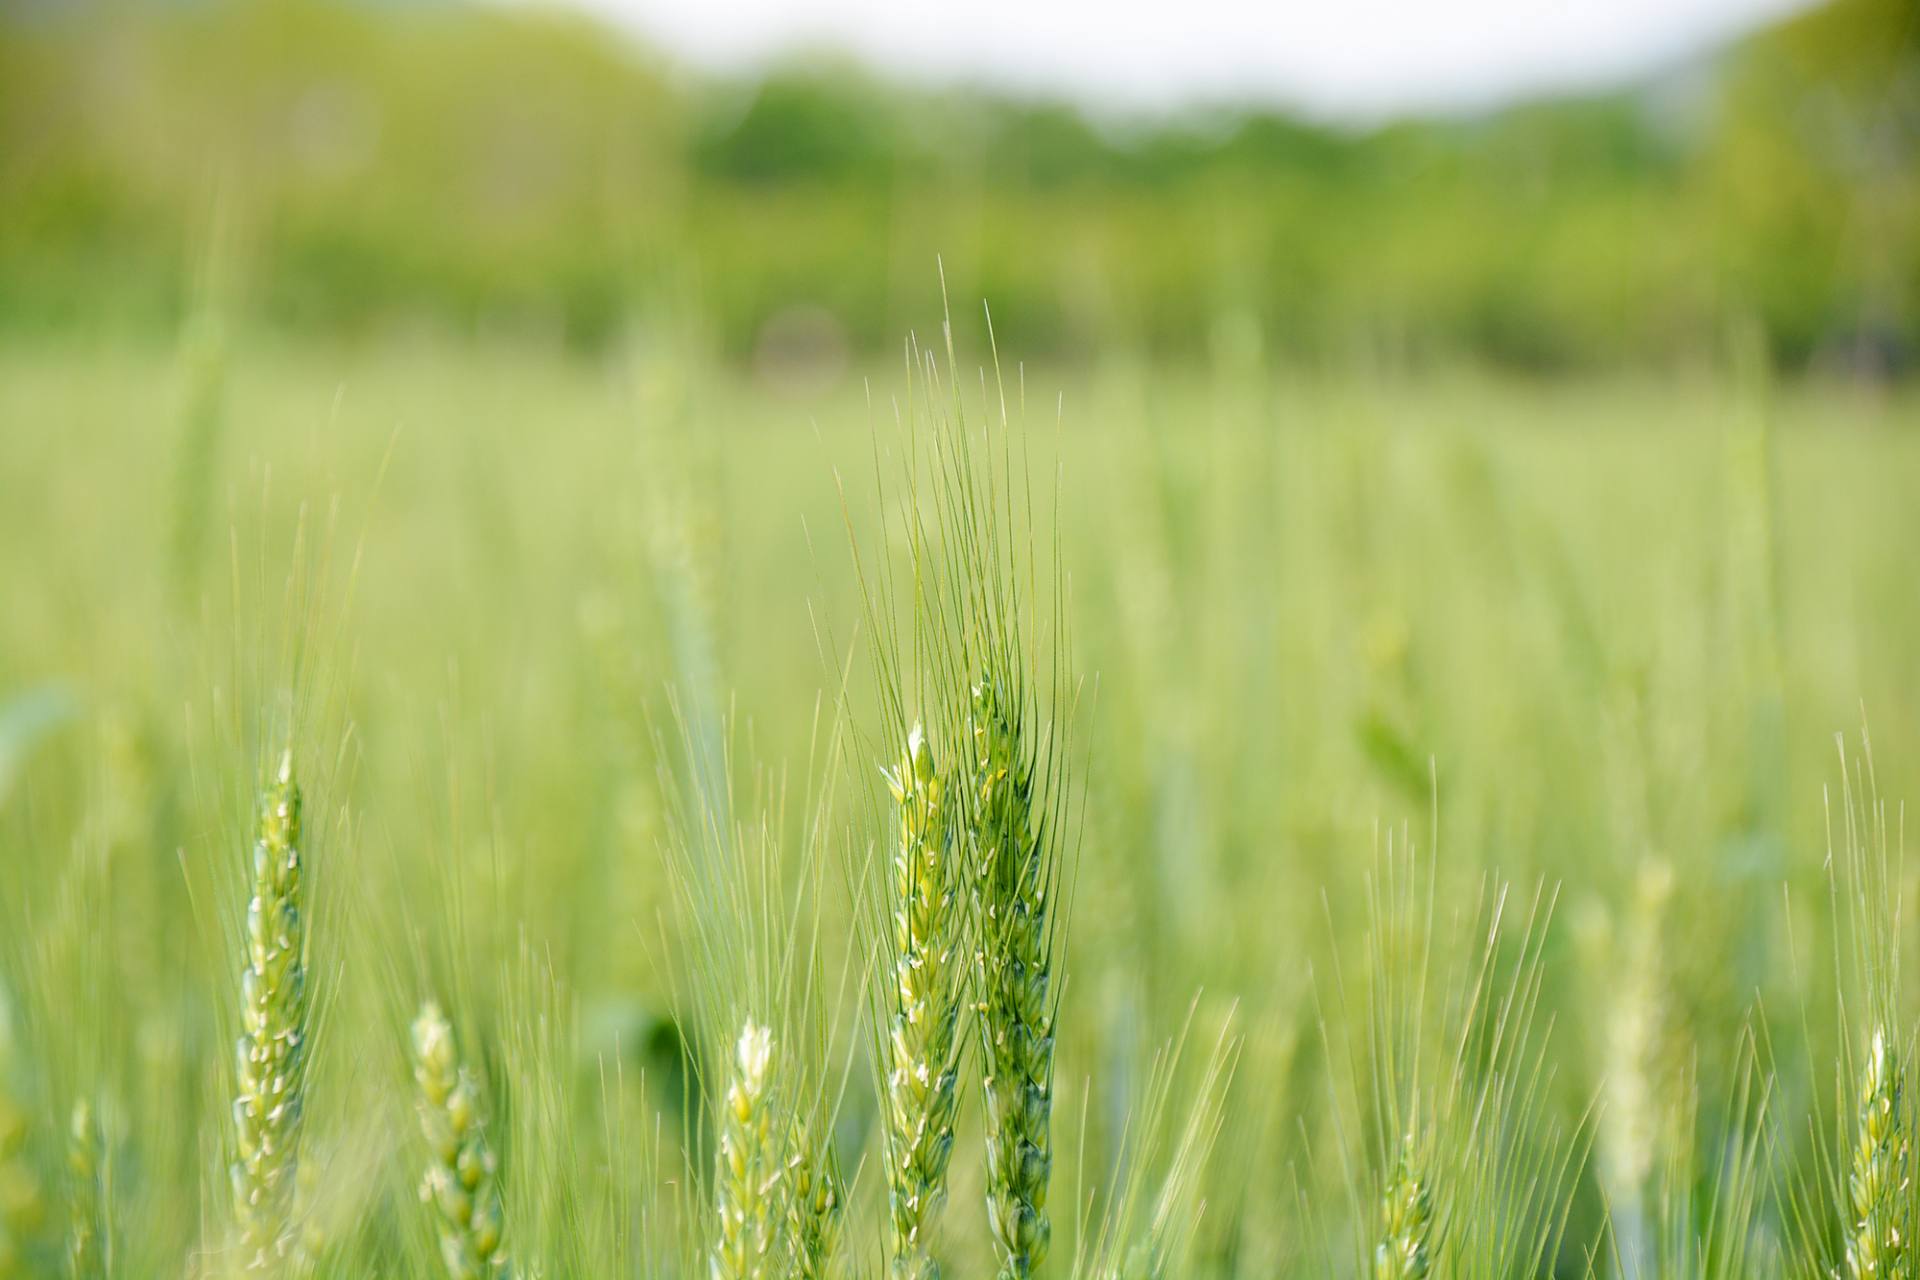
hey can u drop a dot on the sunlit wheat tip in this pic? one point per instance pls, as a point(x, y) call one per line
point(748, 1165)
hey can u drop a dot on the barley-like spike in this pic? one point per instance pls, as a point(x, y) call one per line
point(1406, 1221)
point(1877, 1184)
point(86, 1228)
point(923, 1042)
point(272, 1051)
point(1014, 973)
point(461, 1182)
point(747, 1165)
point(813, 1204)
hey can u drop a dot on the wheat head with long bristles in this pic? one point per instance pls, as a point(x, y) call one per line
point(1013, 885)
point(272, 1051)
point(1877, 1182)
point(1406, 1221)
point(922, 1078)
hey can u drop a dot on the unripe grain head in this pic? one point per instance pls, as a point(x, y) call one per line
point(1013, 863)
point(1882, 1168)
point(922, 1069)
point(461, 1181)
point(748, 1168)
point(271, 1056)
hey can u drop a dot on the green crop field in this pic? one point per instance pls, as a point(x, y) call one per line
point(614, 665)
point(1467, 849)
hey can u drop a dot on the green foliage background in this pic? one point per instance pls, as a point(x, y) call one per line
point(1624, 621)
point(484, 170)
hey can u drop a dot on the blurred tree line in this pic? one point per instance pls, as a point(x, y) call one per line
point(361, 167)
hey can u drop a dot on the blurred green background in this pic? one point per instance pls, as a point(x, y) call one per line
point(373, 167)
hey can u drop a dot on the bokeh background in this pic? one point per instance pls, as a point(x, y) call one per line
point(361, 170)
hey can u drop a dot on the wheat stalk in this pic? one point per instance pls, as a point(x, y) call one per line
point(461, 1181)
point(1877, 1184)
point(1013, 884)
point(272, 1051)
point(748, 1165)
point(923, 1075)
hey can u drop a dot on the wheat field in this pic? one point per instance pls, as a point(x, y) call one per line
point(1224, 820)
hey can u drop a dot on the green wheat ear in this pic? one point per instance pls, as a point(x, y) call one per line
point(814, 1206)
point(923, 1074)
point(1882, 1165)
point(86, 1163)
point(1013, 883)
point(748, 1165)
point(272, 1052)
point(1406, 1221)
point(460, 1182)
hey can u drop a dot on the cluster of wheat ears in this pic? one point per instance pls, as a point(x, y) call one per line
point(961, 878)
point(962, 938)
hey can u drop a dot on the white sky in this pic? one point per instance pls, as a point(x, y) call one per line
point(1351, 58)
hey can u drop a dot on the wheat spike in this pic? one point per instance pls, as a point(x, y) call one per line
point(1406, 1221)
point(1878, 1182)
point(813, 1205)
point(272, 1051)
point(923, 1041)
point(748, 1170)
point(1014, 975)
point(461, 1181)
point(86, 1163)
